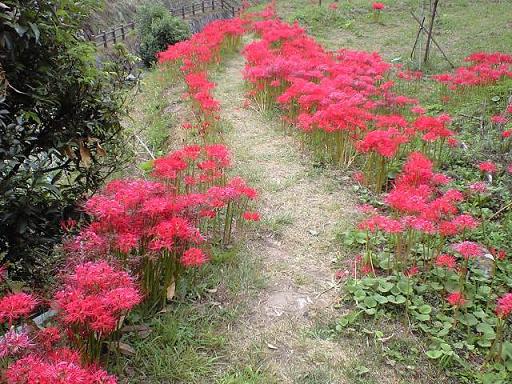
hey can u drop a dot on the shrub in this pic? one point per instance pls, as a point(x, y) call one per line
point(157, 29)
point(60, 131)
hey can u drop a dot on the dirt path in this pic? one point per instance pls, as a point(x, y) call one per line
point(302, 208)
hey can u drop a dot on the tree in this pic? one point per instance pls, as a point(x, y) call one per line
point(157, 29)
point(60, 131)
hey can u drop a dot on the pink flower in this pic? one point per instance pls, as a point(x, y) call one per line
point(468, 249)
point(333, 6)
point(16, 305)
point(498, 119)
point(251, 216)
point(456, 299)
point(14, 343)
point(378, 6)
point(479, 187)
point(193, 257)
point(504, 306)
point(487, 166)
point(447, 261)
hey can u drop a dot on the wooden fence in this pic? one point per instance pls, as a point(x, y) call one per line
point(188, 12)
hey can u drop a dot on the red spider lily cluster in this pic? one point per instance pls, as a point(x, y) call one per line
point(340, 101)
point(153, 228)
point(421, 211)
point(483, 69)
point(88, 308)
point(61, 366)
point(94, 299)
point(344, 105)
point(192, 58)
point(156, 227)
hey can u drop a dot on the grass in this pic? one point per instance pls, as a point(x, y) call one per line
point(187, 343)
point(463, 26)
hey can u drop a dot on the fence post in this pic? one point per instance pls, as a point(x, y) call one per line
point(222, 4)
point(193, 9)
point(213, 5)
point(183, 12)
point(202, 6)
point(105, 43)
point(233, 12)
point(114, 36)
point(122, 32)
point(319, 2)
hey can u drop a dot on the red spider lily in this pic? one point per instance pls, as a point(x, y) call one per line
point(487, 166)
point(498, 119)
point(456, 299)
point(55, 370)
point(478, 187)
point(149, 225)
point(14, 343)
point(484, 69)
point(413, 271)
point(251, 216)
point(504, 306)
point(91, 303)
point(468, 249)
point(193, 257)
point(446, 261)
point(14, 306)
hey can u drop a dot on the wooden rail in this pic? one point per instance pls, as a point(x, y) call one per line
point(188, 12)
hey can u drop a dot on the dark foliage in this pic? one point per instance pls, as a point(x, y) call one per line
point(60, 131)
point(157, 29)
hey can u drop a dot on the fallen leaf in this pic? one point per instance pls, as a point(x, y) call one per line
point(125, 349)
point(85, 155)
point(171, 289)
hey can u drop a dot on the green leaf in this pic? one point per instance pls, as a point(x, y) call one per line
point(35, 30)
point(370, 302)
point(425, 309)
point(422, 317)
point(385, 286)
point(435, 354)
point(399, 299)
point(486, 329)
point(469, 320)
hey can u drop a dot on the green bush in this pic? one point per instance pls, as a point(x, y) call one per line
point(157, 29)
point(60, 131)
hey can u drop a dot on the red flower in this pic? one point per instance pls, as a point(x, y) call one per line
point(487, 166)
point(95, 297)
point(193, 257)
point(16, 305)
point(456, 299)
point(55, 370)
point(504, 306)
point(412, 271)
point(468, 249)
point(447, 261)
point(251, 216)
point(378, 6)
